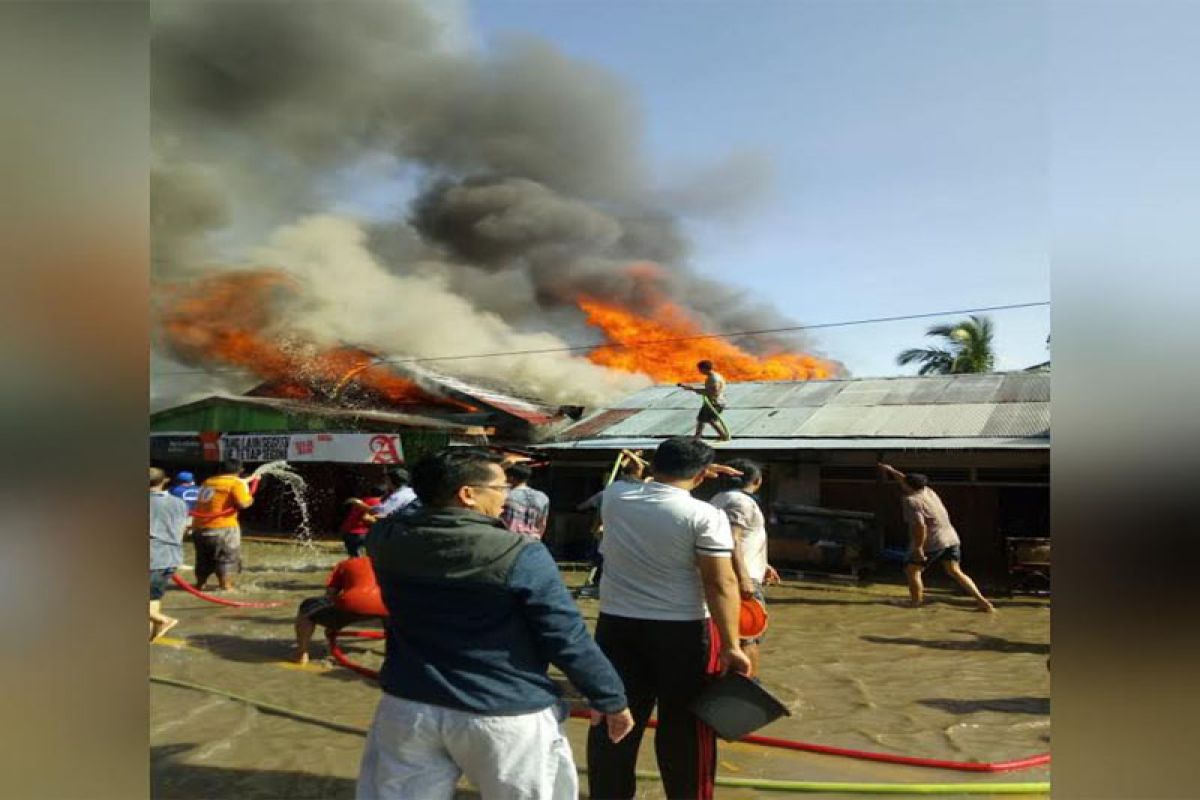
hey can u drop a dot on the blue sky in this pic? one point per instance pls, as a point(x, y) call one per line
point(906, 141)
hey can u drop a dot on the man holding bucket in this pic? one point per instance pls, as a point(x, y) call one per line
point(665, 554)
point(750, 547)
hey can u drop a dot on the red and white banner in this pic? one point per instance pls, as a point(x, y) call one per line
point(343, 448)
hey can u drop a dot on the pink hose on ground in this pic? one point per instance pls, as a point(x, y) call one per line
point(221, 601)
point(764, 741)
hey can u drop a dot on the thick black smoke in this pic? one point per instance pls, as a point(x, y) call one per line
point(537, 190)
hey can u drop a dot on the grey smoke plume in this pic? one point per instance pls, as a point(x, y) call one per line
point(536, 190)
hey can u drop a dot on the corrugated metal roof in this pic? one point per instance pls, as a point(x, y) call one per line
point(799, 443)
point(992, 407)
point(1018, 419)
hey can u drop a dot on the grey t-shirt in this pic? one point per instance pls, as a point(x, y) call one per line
point(168, 521)
point(927, 506)
point(652, 536)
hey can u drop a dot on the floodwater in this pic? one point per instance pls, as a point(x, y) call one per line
point(856, 671)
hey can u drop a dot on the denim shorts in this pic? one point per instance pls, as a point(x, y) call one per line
point(951, 553)
point(159, 578)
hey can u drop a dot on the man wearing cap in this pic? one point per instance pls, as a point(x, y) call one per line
point(667, 565)
point(185, 489)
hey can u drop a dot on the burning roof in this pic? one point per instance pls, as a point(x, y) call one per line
point(540, 223)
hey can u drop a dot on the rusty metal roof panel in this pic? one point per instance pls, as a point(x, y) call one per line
point(1018, 419)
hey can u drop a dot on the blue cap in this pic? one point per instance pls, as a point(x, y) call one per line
point(185, 477)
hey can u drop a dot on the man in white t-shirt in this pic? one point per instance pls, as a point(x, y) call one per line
point(402, 497)
point(667, 563)
point(749, 538)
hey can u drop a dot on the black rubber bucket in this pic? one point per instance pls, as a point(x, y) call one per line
point(735, 706)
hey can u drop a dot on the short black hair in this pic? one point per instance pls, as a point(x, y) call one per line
point(398, 476)
point(519, 473)
point(632, 468)
point(750, 470)
point(681, 457)
point(437, 477)
point(704, 366)
point(916, 480)
point(231, 466)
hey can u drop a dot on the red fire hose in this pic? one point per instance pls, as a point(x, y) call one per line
point(340, 657)
point(765, 741)
point(221, 601)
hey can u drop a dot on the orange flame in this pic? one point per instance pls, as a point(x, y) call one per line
point(229, 319)
point(675, 361)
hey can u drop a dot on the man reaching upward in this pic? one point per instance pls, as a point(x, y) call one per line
point(931, 537)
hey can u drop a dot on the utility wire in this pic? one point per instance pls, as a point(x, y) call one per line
point(698, 337)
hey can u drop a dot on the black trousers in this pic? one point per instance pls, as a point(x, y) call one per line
point(665, 663)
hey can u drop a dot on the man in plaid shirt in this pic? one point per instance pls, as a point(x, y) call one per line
point(526, 510)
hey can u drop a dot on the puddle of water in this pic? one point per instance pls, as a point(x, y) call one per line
point(939, 682)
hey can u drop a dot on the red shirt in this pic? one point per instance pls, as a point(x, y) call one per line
point(353, 523)
point(354, 578)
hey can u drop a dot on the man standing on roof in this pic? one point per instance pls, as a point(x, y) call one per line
point(931, 537)
point(217, 534)
point(527, 510)
point(477, 614)
point(667, 565)
point(713, 393)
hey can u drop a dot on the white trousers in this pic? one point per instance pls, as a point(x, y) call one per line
point(419, 751)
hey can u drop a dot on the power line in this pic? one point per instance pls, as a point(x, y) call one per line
point(674, 340)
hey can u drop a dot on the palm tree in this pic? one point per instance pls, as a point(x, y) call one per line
point(967, 348)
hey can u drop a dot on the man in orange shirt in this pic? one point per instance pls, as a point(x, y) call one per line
point(351, 595)
point(216, 533)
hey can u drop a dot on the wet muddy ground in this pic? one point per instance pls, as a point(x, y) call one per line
point(856, 671)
